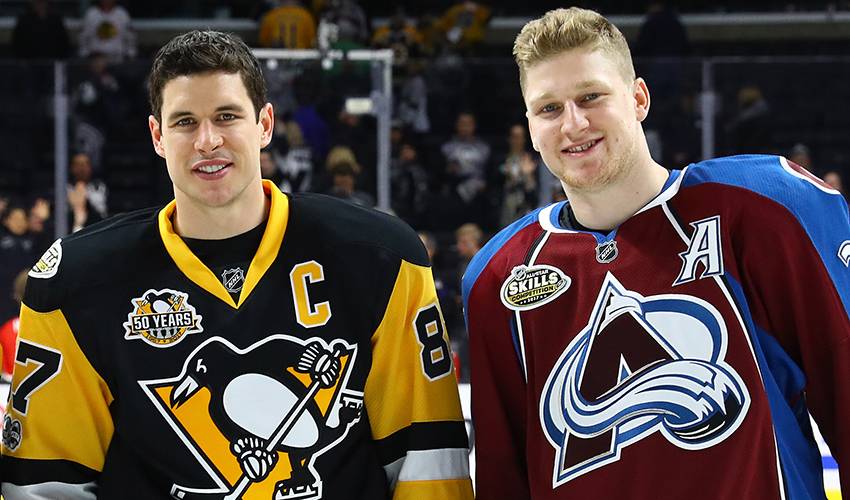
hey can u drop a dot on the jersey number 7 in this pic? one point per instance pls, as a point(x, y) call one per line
point(49, 363)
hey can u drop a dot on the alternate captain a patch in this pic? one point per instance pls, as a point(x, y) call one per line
point(162, 318)
point(257, 418)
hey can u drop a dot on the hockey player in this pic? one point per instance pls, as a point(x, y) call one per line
point(661, 334)
point(239, 342)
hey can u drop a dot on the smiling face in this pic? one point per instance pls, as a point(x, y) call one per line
point(584, 118)
point(211, 139)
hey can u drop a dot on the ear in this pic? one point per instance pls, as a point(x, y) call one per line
point(266, 124)
point(641, 95)
point(156, 136)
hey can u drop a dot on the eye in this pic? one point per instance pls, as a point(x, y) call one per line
point(227, 117)
point(183, 122)
point(590, 97)
point(549, 108)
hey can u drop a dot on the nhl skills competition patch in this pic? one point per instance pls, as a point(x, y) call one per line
point(48, 264)
point(162, 318)
point(532, 286)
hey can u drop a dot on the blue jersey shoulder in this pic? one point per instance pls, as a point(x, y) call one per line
point(483, 257)
point(771, 176)
point(817, 207)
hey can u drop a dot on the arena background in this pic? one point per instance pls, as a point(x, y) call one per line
point(726, 77)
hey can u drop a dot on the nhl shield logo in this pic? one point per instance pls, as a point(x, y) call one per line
point(606, 252)
point(233, 279)
point(162, 318)
point(257, 418)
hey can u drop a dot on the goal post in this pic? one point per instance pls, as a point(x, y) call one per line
point(378, 103)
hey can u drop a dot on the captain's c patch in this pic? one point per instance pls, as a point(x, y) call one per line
point(162, 318)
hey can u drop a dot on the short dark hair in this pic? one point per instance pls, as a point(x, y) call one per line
point(200, 52)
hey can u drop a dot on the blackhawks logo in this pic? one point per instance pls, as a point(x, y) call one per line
point(162, 318)
point(257, 418)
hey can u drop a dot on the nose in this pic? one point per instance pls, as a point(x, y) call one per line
point(573, 120)
point(208, 138)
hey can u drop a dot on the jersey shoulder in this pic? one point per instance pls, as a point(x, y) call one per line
point(499, 241)
point(774, 177)
point(342, 223)
point(89, 256)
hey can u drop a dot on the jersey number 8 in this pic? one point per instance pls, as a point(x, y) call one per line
point(436, 358)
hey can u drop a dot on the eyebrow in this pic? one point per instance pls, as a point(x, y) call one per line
point(581, 86)
point(176, 115)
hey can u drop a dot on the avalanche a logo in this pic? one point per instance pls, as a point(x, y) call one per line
point(257, 418)
point(641, 365)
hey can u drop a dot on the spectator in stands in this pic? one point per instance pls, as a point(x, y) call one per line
point(833, 178)
point(662, 42)
point(463, 26)
point(288, 26)
point(400, 36)
point(9, 329)
point(468, 240)
point(466, 156)
point(98, 108)
point(87, 196)
point(519, 178)
point(341, 24)
point(358, 134)
point(268, 168)
point(344, 181)
point(40, 225)
point(97, 194)
point(801, 155)
point(409, 181)
point(413, 99)
point(313, 125)
point(16, 253)
point(40, 33)
point(296, 164)
point(747, 131)
point(106, 30)
point(662, 33)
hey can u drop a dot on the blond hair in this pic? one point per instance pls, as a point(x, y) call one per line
point(561, 30)
point(342, 154)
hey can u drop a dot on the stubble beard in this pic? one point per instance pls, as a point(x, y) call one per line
point(613, 169)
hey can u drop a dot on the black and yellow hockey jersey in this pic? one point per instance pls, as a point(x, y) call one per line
point(139, 376)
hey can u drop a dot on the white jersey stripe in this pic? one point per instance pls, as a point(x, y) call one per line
point(429, 465)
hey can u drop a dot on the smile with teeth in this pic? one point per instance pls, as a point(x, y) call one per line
point(211, 169)
point(583, 147)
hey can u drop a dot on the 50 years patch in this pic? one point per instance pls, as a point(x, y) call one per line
point(532, 286)
point(162, 318)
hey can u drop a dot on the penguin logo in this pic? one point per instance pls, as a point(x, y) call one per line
point(162, 318)
point(257, 418)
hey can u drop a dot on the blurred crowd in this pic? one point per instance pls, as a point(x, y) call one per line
point(460, 160)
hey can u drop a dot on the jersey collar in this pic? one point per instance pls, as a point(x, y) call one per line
point(200, 274)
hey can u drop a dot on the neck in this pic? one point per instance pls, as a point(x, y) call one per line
point(610, 206)
point(217, 223)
